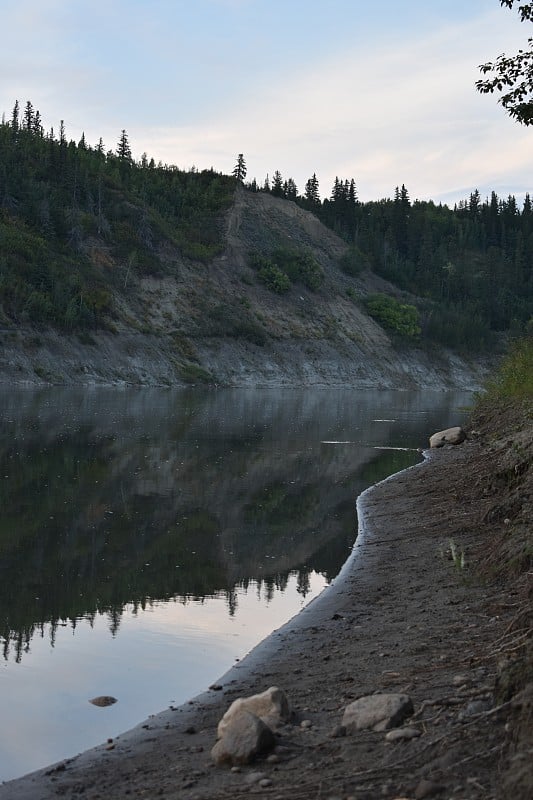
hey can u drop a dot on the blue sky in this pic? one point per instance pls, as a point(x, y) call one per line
point(381, 92)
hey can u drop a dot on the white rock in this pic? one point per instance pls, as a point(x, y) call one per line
point(402, 733)
point(377, 711)
point(449, 436)
point(245, 736)
point(271, 706)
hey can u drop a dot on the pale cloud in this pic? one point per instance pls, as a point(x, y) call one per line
point(408, 114)
point(391, 109)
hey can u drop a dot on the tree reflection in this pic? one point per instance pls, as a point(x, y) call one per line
point(111, 510)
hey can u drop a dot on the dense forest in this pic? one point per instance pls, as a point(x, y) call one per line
point(468, 269)
point(470, 266)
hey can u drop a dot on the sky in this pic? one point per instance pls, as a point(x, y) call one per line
point(380, 92)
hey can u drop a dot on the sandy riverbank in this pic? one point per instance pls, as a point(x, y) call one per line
point(401, 617)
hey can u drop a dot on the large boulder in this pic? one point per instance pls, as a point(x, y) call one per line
point(379, 712)
point(271, 706)
point(449, 436)
point(245, 736)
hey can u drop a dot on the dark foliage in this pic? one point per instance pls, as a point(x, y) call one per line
point(77, 223)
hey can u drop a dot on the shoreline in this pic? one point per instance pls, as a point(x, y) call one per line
point(398, 618)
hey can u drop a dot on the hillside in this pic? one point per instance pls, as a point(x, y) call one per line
point(187, 320)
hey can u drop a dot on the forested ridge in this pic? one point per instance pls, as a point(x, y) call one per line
point(79, 224)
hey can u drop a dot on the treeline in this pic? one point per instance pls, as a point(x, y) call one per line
point(471, 266)
point(77, 221)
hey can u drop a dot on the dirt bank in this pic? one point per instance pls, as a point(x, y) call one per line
point(408, 614)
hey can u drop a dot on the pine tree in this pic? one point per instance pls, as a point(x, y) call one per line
point(123, 147)
point(239, 170)
point(311, 190)
point(37, 125)
point(28, 116)
point(15, 117)
point(277, 184)
point(291, 192)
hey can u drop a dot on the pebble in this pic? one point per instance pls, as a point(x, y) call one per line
point(338, 731)
point(402, 733)
point(273, 758)
point(103, 700)
point(255, 777)
point(306, 723)
point(265, 783)
point(459, 680)
point(475, 707)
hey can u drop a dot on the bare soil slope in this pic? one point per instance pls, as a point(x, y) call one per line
point(218, 323)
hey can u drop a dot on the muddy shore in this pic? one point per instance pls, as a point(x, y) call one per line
point(407, 614)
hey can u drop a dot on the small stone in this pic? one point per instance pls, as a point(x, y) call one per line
point(103, 700)
point(459, 680)
point(216, 687)
point(254, 777)
point(273, 759)
point(378, 712)
point(338, 732)
point(265, 783)
point(306, 723)
point(402, 733)
point(235, 769)
point(475, 707)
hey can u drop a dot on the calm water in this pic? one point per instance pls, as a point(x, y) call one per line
point(149, 538)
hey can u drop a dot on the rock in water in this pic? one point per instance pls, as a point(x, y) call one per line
point(103, 700)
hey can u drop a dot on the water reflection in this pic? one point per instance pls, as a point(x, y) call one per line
point(112, 498)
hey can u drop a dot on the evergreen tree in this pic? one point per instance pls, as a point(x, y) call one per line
point(15, 117)
point(28, 116)
point(37, 125)
point(311, 190)
point(277, 184)
point(291, 190)
point(123, 147)
point(239, 170)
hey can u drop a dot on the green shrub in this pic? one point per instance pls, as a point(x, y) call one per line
point(353, 261)
point(397, 317)
point(300, 266)
point(274, 279)
point(515, 376)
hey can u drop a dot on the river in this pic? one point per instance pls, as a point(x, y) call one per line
point(149, 538)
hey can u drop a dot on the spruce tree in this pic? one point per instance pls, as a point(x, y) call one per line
point(277, 184)
point(311, 190)
point(239, 170)
point(123, 147)
point(28, 116)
